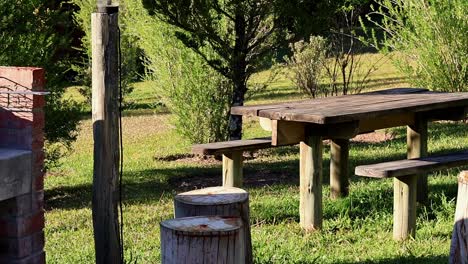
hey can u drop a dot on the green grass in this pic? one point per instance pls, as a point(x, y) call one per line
point(357, 229)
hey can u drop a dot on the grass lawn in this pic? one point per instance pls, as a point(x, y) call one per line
point(357, 229)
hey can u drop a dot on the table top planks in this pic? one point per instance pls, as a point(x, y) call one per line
point(355, 107)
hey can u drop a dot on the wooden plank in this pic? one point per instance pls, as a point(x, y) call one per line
point(232, 169)
point(339, 156)
point(231, 146)
point(15, 172)
point(252, 110)
point(404, 207)
point(387, 105)
point(399, 91)
point(290, 133)
point(287, 133)
point(310, 206)
point(399, 168)
point(416, 140)
point(394, 120)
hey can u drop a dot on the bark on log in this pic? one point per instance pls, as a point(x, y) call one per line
point(459, 245)
point(202, 239)
point(220, 201)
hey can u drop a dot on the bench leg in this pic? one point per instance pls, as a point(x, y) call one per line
point(404, 207)
point(310, 206)
point(339, 182)
point(232, 169)
point(417, 147)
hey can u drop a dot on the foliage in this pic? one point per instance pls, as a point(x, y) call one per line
point(307, 64)
point(241, 35)
point(430, 38)
point(345, 71)
point(198, 96)
point(36, 33)
point(129, 50)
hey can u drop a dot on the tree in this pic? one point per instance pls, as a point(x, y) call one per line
point(38, 33)
point(242, 34)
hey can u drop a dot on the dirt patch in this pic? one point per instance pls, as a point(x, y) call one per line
point(374, 137)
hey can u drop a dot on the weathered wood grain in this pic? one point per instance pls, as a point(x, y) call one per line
point(416, 141)
point(459, 244)
point(310, 206)
point(202, 239)
point(220, 201)
point(232, 169)
point(105, 39)
point(399, 168)
point(404, 207)
point(252, 110)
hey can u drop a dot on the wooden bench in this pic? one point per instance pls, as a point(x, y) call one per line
point(232, 152)
point(405, 174)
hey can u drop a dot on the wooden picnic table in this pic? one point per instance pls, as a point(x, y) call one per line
point(341, 118)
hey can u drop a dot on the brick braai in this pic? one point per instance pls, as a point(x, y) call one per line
point(21, 131)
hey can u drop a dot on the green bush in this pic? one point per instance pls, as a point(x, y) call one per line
point(430, 38)
point(307, 64)
point(198, 96)
point(38, 33)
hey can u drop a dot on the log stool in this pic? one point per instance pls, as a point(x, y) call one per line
point(202, 239)
point(221, 201)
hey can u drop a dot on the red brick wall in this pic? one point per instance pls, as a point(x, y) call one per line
point(21, 127)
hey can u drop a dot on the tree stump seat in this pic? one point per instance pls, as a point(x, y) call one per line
point(232, 153)
point(202, 239)
point(405, 177)
point(220, 201)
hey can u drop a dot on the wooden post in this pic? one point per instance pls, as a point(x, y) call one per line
point(339, 156)
point(310, 206)
point(416, 148)
point(105, 40)
point(232, 169)
point(404, 207)
point(202, 239)
point(220, 201)
point(459, 245)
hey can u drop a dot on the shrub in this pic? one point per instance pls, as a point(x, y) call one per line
point(430, 38)
point(198, 96)
point(37, 33)
point(307, 64)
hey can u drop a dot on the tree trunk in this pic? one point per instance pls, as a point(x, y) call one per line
point(220, 201)
point(239, 74)
point(459, 245)
point(202, 239)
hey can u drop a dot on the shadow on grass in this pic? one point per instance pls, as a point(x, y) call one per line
point(162, 183)
point(402, 260)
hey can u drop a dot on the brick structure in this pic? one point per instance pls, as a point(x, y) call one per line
point(21, 128)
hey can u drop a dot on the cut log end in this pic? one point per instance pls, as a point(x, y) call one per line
point(213, 196)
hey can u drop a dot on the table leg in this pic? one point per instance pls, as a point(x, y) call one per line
point(339, 156)
point(417, 147)
point(232, 169)
point(311, 183)
point(404, 207)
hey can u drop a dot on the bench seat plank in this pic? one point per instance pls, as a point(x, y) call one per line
point(231, 146)
point(413, 166)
